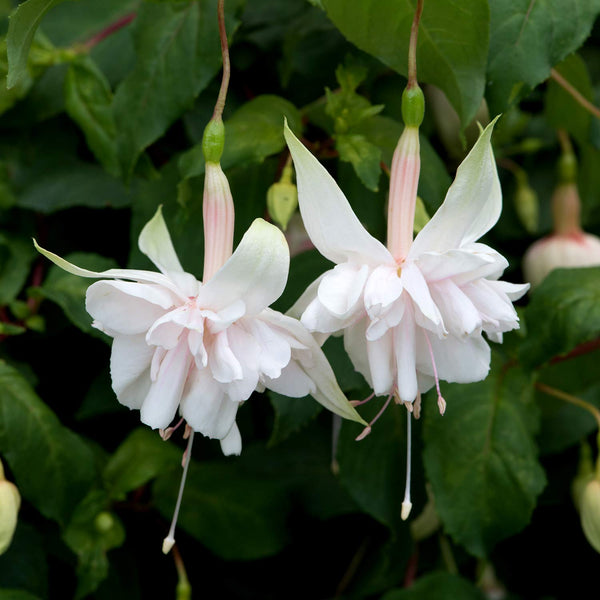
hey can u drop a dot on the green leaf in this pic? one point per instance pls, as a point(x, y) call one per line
point(562, 111)
point(16, 256)
point(363, 155)
point(564, 311)
point(178, 53)
point(235, 514)
point(481, 459)
point(91, 532)
point(291, 415)
point(441, 586)
point(17, 595)
point(451, 51)
point(68, 291)
point(527, 39)
point(140, 458)
point(253, 132)
point(372, 470)
point(53, 467)
point(88, 101)
point(21, 30)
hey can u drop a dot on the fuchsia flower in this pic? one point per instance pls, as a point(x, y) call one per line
point(202, 348)
point(415, 311)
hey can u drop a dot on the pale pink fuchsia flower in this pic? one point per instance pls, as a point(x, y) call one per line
point(568, 246)
point(202, 348)
point(414, 312)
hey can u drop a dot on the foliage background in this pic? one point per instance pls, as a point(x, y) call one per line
point(101, 122)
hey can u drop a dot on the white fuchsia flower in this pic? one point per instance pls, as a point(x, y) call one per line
point(203, 348)
point(414, 312)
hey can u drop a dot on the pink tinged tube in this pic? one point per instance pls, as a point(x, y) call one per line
point(218, 213)
point(406, 166)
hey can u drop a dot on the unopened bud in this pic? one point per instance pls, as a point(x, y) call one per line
point(104, 522)
point(10, 501)
point(527, 206)
point(590, 513)
point(213, 140)
point(282, 199)
point(413, 106)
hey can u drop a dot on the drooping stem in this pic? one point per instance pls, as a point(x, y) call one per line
point(184, 589)
point(571, 399)
point(575, 93)
point(412, 46)
point(220, 104)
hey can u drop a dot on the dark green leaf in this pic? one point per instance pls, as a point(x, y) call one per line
point(17, 595)
point(481, 459)
point(140, 458)
point(16, 256)
point(372, 470)
point(441, 586)
point(451, 52)
point(291, 415)
point(88, 100)
point(23, 25)
point(527, 39)
point(564, 311)
point(68, 290)
point(53, 467)
point(362, 155)
point(562, 110)
point(178, 54)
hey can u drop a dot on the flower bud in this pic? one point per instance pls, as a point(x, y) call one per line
point(568, 246)
point(213, 140)
point(10, 500)
point(413, 106)
point(527, 206)
point(282, 199)
point(590, 513)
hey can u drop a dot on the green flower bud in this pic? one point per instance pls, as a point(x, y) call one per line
point(10, 500)
point(413, 106)
point(590, 513)
point(527, 205)
point(213, 141)
point(104, 522)
point(567, 168)
point(282, 199)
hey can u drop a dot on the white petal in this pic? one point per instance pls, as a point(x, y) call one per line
point(341, 289)
point(383, 287)
point(318, 319)
point(309, 294)
point(405, 354)
point(155, 242)
point(315, 365)
point(127, 307)
point(205, 405)
point(163, 398)
point(381, 363)
point(231, 444)
point(513, 290)
point(426, 312)
point(222, 362)
point(459, 314)
point(130, 369)
point(133, 274)
point(472, 205)
point(293, 382)
point(460, 360)
point(330, 222)
point(256, 272)
point(166, 331)
point(355, 344)
point(274, 351)
point(247, 351)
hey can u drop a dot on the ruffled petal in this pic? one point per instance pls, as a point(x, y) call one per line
point(426, 312)
point(355, 344)
point(222, 362)
point(206, 407)
point(341, 289)
point(330, 222)
point(256, 273)
point(247, 351)
point(405, 354)
point(162, 400)
point(318, 319)
point(273, 350)
point(126, 307)
point(381, 363)
point(383, 287)
point(460, 315)
point(292, 382)
point(309, 294)
point(130, 369)
point(472, 205)
point(313, 362)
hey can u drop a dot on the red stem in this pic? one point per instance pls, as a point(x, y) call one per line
point(109, 30)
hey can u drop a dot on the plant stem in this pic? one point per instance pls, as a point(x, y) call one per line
point(109, 30)
point(220, 104)
point(184, 589)
point(412, 46)
point(570, 398)
point(575, 93)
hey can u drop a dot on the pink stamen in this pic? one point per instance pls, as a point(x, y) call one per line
point(359, 402)
point(440, 399)
point(367, 430)
point(165, 434)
